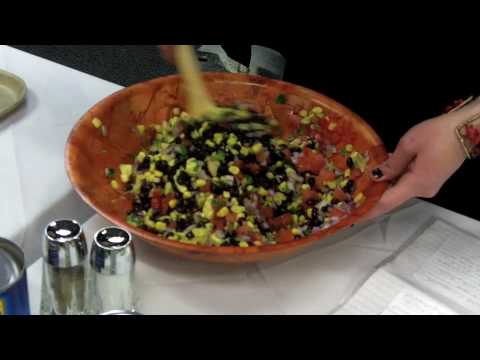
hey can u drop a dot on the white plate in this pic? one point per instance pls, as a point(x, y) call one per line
point(12, 92)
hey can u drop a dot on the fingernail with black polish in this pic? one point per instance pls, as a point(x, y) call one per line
point(377, 173)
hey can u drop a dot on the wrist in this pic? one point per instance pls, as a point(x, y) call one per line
point(463, 122)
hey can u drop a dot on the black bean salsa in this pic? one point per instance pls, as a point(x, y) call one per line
point(206, 184)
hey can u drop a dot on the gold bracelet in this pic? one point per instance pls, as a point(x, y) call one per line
point(469, 145)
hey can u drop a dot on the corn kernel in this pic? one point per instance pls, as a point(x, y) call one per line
point(234, 170)
point(97, 123)
point(332, 126)
point(317, 110)
point(184, 116)
point(200, 182)
point(172, 203)
point(303, 113)
point(309, 212)
point(223, 212)
point(114, 184)
point(359, 198)
point(257, 147)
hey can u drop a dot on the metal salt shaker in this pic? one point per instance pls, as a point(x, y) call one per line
point(64, 269)
point(112, 263)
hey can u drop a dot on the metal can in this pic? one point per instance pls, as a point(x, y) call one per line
point(112, 263)
point(64, 268)
point(13, 280)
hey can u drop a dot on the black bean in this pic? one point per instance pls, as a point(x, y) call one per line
point(311, 181)
point(183, 178)
point(189, 235)
point(315, 221)
point(326, 208)
point(279, 170)
point(312, 144)
point(349, 187)
point(311, 202)
point(181, 224)
point(144, 165)
point(223, 169)
point(314, 212)
point(162, 166)
point(145, 189)
point(280, 210)
point(217, 189)
point(350, 163)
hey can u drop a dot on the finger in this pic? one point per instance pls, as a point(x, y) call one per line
point(405, 189)
point(168, 52)
point(398, 162)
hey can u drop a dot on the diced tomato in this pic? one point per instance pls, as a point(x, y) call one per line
point(262, 156)
point(287, 153)
point(206, 188)
point(289, 121)
point(337, 212)
point(325, 175)
point(284, 235)
point(219, 223)
point(267, 212)
point(155, 203)
point(309, 195)
point(281, 221)
point(339, 195)
point(246, 230)
point(160, 203)
point(339, 161)
point(231, 217)
point(310, 161)
point(356, 173)
point(254, 168)
point(362, 183)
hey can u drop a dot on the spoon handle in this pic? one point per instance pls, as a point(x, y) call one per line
point(198, 101)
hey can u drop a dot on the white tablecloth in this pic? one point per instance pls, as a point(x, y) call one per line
point(35, 190)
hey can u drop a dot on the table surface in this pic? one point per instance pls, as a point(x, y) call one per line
point(36, 190)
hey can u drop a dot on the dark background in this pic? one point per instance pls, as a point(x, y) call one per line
point(392, 85)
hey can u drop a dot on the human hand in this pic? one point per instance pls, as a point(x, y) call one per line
point(426, 156)
point(168, 52)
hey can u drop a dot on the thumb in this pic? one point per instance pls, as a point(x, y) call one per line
point(398, 161)
point(405, 189)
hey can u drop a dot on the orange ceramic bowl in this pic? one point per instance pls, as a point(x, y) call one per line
point(89, 152)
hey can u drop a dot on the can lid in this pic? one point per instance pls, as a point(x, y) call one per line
point(63, 230)
point(10, 267)
point(121, 312)
point(112, 238)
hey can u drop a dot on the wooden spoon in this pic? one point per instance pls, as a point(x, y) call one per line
point(201, 106)
point(199, 102)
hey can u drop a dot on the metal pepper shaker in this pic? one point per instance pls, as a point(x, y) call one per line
point(112, 263)
point(64, 268)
